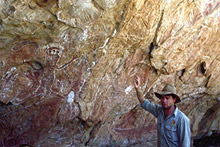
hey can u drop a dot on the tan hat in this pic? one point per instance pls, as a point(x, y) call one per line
point(168, 90)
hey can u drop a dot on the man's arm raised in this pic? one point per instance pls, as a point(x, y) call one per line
point(137, 84)
point(146, 104)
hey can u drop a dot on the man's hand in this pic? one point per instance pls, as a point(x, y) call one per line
point(137, 82)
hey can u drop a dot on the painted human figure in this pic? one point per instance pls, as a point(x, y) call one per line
point(52, 57)
point(29, 77)
point(49, 69)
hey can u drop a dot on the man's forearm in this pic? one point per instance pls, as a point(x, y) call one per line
point(140, 95)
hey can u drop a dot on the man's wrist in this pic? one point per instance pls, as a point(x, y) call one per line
point(138, 88)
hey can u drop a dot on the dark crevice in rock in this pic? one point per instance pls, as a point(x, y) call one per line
point(83, 122)
point(121, 23)
point(181, 73)
point(7, 10)
point(11, 10)
point(93, 132)
point(163, 69)
point(97, 5)
point(151, 48)
point(208, 141)
point(207, 82)
point(201, 68)
point(123, 13)
point(158, 27)
point(208, 117)
point(154, 45)
point(3, 104)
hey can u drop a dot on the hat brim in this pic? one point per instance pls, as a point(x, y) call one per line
point(163, 93)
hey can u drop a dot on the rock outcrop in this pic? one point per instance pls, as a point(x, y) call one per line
point(67, 69)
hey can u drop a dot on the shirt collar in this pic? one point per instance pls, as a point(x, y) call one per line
point(175, 111)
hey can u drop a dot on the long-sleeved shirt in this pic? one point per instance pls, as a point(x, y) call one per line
point(174, 131)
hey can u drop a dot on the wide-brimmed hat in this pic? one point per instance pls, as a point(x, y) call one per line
point(168, 90)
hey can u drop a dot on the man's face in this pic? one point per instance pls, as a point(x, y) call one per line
point(167, 101)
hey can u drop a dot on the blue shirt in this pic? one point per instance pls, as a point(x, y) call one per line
point(174, 131)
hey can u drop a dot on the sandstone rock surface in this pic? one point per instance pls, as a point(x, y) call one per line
point(67, 69)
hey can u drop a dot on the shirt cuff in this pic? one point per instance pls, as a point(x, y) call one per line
point(144, 104)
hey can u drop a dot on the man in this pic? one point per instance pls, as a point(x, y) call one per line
point(173, 125)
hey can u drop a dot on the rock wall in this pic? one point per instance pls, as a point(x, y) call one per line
point(67, 69)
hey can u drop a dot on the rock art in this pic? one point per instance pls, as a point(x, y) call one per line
point(67, 69)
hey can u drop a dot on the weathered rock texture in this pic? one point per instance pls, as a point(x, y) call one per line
point(67, 69)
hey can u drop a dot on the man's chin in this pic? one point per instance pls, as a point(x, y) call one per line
point(165, 106)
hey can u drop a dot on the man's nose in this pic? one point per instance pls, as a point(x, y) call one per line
point(164, 100)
